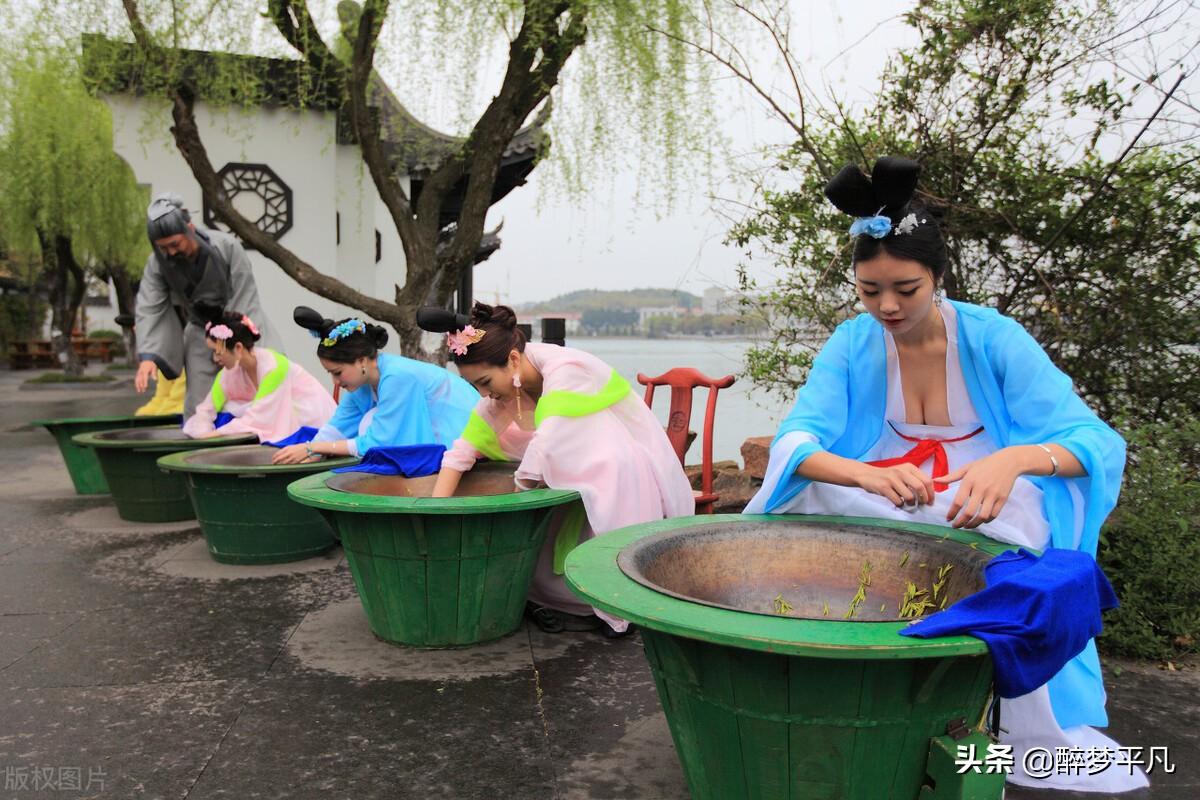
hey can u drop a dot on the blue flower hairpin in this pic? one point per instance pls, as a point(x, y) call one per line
point(876, 227)
point(347, 328)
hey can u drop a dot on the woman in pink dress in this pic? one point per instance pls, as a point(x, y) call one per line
point(266, 393)
point(573, 423)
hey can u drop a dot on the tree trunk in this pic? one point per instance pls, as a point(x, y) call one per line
point(550, 32)
point(65, 299)
point(126, 300)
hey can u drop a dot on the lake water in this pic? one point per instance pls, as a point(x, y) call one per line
point(742, 411)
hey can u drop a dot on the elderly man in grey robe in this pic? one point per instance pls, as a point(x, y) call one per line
point(189, 266)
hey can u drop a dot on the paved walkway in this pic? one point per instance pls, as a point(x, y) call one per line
point(130, 661)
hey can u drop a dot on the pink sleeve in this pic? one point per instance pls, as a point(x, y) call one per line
point(462, 455)
point(267, 417)
point(201, 422)
point(568, 376)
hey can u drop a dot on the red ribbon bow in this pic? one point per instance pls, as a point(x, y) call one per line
point(922, 451)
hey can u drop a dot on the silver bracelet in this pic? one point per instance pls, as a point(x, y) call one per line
point(1053, 460)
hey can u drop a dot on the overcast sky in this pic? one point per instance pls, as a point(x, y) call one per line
point(554, 243)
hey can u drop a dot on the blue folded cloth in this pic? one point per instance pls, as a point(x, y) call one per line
point(411, 461)
point(1036, 614)
point(301, 436)
point(223, 418)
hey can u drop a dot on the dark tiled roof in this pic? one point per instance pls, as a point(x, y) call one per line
point(413, 148)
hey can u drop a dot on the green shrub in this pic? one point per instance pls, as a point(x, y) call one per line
point(1150, 547)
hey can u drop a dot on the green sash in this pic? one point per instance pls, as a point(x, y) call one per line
point(270, 383)
point(562, 403)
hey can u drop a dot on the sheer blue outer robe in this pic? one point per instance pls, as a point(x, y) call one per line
point(417, 403)
point(1021, 398)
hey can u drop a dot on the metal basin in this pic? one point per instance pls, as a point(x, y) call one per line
point(145, 435)
point(82, 464)
point(242, 504)
point(769, 697)
point(248, 456)
point(485, 480)
point(806, 570)
point(438, 571)
point(141, 491)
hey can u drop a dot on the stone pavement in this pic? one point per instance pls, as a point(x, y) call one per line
point(132, 666)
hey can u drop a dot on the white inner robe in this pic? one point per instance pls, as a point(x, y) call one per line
point(1027, 721)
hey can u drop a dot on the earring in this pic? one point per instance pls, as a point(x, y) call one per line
point(517, 386)
point(364, 369)
point(938, 297)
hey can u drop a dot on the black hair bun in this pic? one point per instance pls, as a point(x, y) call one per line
point(894, 180)
point(309, 319)
point(850, 190)
point(889, 189)
point(377, 334)
point(440, 320)
point(500, 316)
point(209, 312)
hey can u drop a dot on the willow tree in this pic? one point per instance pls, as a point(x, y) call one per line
point(64, 193)
point(626, 77)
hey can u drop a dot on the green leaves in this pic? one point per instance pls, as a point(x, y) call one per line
point(58, 171)
point(1004, 104)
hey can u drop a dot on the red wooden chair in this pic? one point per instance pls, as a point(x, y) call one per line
point(682, 381)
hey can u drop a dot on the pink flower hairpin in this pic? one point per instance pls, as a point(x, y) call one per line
point(459, 341)
point(219, 332)
point(250, 326)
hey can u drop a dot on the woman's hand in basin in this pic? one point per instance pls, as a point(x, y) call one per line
point(294, 454)
point(447, 482)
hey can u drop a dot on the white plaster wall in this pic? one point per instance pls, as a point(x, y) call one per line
point(325, 178)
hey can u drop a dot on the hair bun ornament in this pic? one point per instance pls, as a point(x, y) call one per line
point(312, 322)
point(875, 202)
point(342, 330)
point(851, 191)
point(440, 320)
point(459, 341)
point(166, 203)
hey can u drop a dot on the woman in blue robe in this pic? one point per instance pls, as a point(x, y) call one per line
point(935, 411)
point(387, 400)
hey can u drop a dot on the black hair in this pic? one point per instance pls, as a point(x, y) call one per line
point(499, 323)
point(889, 191)
point(243, 333)
point(347, 349)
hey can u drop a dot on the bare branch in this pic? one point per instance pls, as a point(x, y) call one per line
point(187, 139)
point(1112, 170)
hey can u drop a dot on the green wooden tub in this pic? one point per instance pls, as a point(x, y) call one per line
point(141, 490)
point(82, 464)
point(769, 690)
point(241, 501)
point(444, 572)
